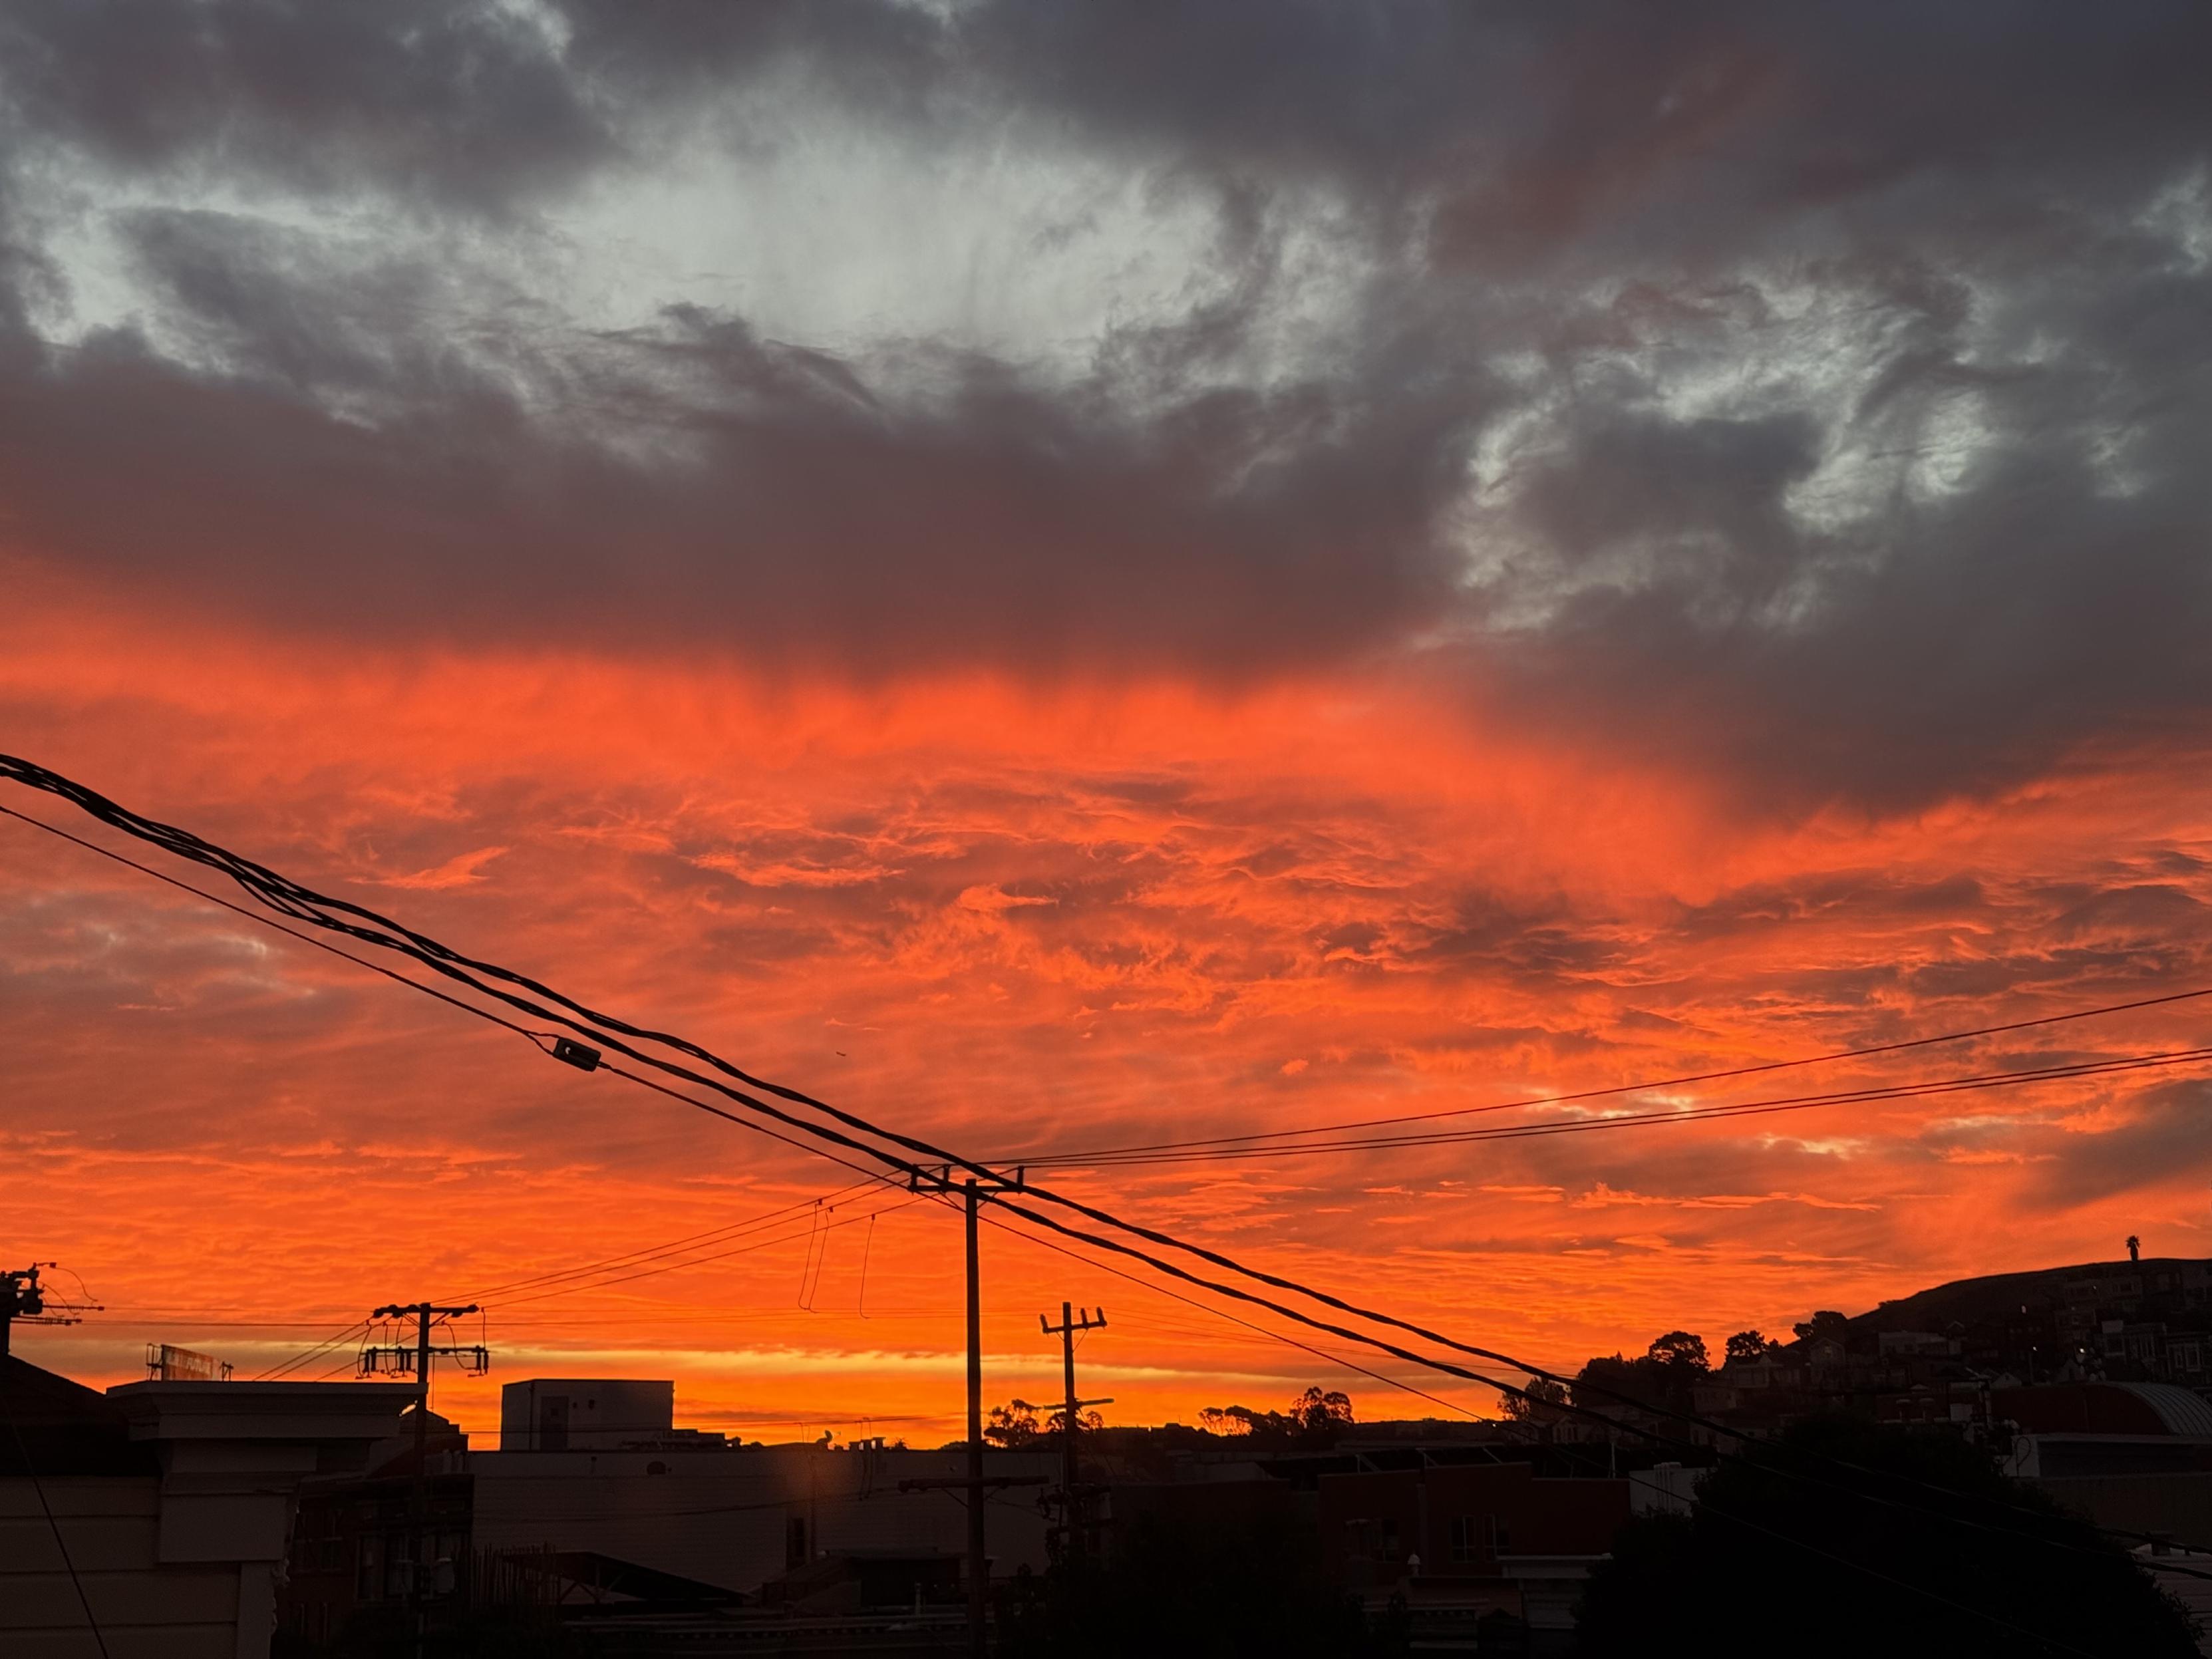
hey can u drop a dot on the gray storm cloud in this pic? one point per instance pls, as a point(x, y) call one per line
point(1815, 393)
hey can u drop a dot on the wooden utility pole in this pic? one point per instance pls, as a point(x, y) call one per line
point(1068, 1328)
point(24, 1300)
point(978, 1563)
point(20, 1298)
point(399, 1358)
point(940, 1180)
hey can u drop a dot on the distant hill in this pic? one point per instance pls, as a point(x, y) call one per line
point(1998, 1296)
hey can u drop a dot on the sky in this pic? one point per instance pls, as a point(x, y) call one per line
point(1073, 576)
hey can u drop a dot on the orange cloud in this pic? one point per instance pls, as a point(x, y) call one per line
point(459, 871)
point(1029, 919)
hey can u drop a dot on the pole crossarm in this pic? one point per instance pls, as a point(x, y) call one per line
point(949, 1178)
point(400, 1358)
point(23, 1300)
point(1084, 1321)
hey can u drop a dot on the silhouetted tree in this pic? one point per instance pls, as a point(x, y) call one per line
point(1318, 1414)
point(1678, 1351)
point(1827, 1324)
point(2135, 1248)
point(1541, 1404)
point(1321, 1413)
point(1745, 1348)
point(1765, 1553)
point(1661, 1379)
point(1011, 1425)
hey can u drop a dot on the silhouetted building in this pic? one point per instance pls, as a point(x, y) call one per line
point(353, 1542)
point(1470, 1541)
point(586, 1413)
point(629, 1486)
point(173, 1499)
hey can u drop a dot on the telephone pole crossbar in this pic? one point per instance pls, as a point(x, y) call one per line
point(23, 1300)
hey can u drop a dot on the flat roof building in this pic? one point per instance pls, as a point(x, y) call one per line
point(152, 1519)
point(587, 1413)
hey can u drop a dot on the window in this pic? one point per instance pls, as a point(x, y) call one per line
point(794, 1543)
point(1478, 1537)
point(1464, 1536)
point(368, 1568)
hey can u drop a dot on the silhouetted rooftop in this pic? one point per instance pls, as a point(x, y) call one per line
point(52, 1426)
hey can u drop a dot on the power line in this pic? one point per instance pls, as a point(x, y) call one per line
point(303, 904)
point(308, 1356)
point(1429, 1362)
point(240, 909)
point(237, 868)
point(1222, 1313)
point(1453, 1369)
point(1662, 1440)
point(300, 902)
point(648, 1253)
point(1095, 1154)
point(745, 1250)
point(224, 863)
point(61, 1544)
point(1971, 1082)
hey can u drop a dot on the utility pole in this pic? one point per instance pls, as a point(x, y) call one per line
point(19, 1300)
point(397, 1358)
point(21, 1296)
point(1068, 1328)
point(940, 1180)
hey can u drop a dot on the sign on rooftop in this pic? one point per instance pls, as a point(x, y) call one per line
point(167, 1364)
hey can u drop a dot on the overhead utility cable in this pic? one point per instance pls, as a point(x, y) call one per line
point(1098, 1153)
point(305, 904)
point(1972, 1081)
point(302, 904)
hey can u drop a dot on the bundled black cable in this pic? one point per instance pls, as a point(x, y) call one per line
point(518, 991)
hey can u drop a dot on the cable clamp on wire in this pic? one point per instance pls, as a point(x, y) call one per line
point(581, 1055)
